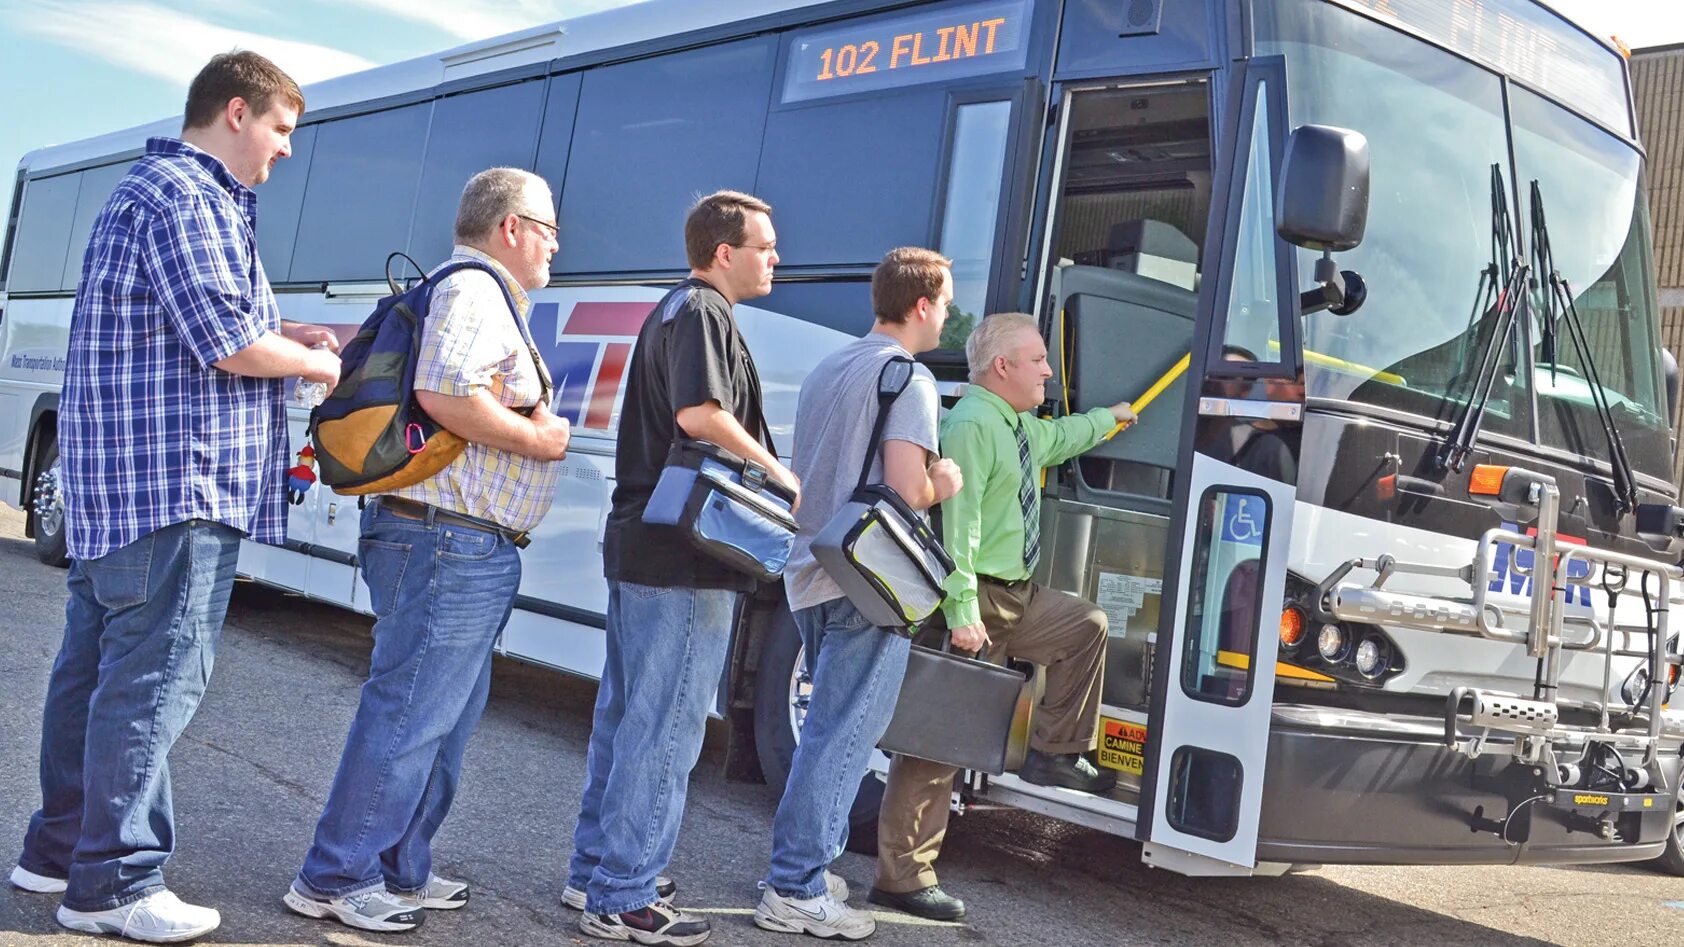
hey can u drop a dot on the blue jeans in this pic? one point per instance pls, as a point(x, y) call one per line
point(441, 594)
point(856, 669)
point(666, 653)
point(140, 633)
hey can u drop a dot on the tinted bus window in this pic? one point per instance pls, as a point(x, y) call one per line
point(649, 137)
point(49, 207)
point(561, 105)
point(975, 174)
point(97, 185)
point(850, 180)
point(278, 203)
point(843, 306)
point(472, 132)
point(361, 194)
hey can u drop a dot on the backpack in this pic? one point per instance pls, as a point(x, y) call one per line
point(370, 434)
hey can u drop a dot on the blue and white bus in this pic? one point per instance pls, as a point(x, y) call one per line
point(1386, 566)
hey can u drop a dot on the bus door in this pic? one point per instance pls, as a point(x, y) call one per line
point(1230, 511)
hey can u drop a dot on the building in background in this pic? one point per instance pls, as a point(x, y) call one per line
point(1657, 79)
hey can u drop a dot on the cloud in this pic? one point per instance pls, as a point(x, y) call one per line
point(479, 19)
point(169, 44)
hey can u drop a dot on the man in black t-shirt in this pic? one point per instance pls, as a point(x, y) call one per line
point(669, 608)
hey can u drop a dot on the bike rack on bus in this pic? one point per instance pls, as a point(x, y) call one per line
point(1531, 729)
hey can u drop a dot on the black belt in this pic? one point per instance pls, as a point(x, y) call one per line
point(416, 510)
point(1013, 584)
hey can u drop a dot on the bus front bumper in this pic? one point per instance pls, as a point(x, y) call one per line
point(1347, 787)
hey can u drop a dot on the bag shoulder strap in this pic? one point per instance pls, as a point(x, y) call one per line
point(893, 379)
point(764, 435)
point(431, 281)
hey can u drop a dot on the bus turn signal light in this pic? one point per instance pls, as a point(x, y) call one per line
point(1292, 626)
point(1487, 480)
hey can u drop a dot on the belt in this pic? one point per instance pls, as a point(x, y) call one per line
point(1013, 584)
point(416, 510)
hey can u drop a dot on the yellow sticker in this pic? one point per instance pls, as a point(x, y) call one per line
point(1122, 746)
point(1586, 799)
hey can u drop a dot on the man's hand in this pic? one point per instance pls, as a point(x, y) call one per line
point(971, 638)
point(787, 477)
point(310, 336)
point(1124, 414)
point(946, 478)
point(321, 365)
point(551, 434)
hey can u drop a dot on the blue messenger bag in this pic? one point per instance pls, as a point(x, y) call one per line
point(729, 508)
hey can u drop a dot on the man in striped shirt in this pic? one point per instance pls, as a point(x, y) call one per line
point(172, 435)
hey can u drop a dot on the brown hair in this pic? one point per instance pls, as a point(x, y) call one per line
point(241, 74)
point(906, 275)
point(720, 217)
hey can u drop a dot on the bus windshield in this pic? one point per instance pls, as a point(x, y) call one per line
point(1436, 129)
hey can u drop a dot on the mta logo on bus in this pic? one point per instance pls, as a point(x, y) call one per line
point(587, 356)
point(1510, 564)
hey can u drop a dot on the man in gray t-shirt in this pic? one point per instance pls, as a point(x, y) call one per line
point(856, 667)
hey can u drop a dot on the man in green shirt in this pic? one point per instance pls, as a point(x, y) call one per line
point(991, 527)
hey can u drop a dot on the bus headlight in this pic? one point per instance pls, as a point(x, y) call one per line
point(1371, 658)
point(1332, 643)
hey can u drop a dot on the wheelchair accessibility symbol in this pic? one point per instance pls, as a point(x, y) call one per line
point(1243, 518)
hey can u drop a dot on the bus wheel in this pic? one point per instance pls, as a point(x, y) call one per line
point(782, 689)
point(46, 508)
point(1672, 860)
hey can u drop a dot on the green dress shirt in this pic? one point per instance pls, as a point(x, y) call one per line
point(982, 525)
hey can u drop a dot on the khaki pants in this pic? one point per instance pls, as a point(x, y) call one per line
point(1058, 631)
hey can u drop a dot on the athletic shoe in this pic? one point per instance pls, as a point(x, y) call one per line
point(376, 910)
point(822, 916)
point(160, 918)
point(574, 898)
point(40, 884)
point(658, 924)
point(439, 895)
point(930, 903)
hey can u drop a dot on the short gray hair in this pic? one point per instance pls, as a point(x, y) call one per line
point(988, 341)
point(492, 195)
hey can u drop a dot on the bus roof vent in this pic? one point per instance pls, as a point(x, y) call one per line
point(535, 45)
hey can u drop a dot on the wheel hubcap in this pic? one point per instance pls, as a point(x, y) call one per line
point(800, 693)
point(49, 502)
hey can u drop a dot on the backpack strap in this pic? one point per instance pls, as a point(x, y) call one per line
point(546, 386)
point(891, 381)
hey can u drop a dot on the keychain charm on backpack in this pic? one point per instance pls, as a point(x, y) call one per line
point(302, 477)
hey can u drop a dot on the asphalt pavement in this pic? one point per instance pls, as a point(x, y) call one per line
point(252, 770)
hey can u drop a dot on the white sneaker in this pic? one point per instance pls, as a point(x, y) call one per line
point(376, 910)
point(835, 886)
point(160, 918)
point(40, 884)
point(440, 895)
point(823, 916)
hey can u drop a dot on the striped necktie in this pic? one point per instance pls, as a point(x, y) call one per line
point(1029, 500)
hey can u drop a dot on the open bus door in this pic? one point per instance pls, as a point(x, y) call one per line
point(1230, 526)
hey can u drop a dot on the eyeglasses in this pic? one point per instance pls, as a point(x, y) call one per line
point(555, 232)
point(769, 248)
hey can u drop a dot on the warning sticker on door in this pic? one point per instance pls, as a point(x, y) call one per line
point(1120, 596)
point(1122, 746)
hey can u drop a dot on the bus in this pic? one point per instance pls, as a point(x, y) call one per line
point(1387, 564)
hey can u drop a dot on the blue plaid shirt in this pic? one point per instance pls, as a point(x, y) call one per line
point(150, 432)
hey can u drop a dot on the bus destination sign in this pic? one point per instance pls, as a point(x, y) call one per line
point(972, 40)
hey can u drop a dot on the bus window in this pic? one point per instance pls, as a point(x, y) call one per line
point(486, 129)
point(974, 180)
point(280, 201)
point(96, 188)
point(1225, 597)
point(361, 194)
point(1253, 325)
point(43, 236)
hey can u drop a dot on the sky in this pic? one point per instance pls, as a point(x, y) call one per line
point(71, 69)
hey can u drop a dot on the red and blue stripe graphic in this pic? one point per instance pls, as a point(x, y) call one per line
point(587, 356)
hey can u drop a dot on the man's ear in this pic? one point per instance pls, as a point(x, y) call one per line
point(722, 256)
point(235, 113)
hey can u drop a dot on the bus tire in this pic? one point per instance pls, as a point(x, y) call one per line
point(46, 507)
point(1672, 860)
point(775, 729)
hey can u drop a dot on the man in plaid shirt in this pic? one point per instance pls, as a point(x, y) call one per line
point(173, 442)
point(442, 562)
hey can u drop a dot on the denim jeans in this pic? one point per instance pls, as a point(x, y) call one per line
point(666, 653)
point(441, 594)
point(140, 633)
point(856, 669)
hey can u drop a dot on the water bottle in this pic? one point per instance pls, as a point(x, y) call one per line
point(310, 393)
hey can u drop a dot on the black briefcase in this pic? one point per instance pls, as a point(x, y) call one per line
point(955, 710)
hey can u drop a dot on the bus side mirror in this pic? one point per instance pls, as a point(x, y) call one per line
point(1322, 204)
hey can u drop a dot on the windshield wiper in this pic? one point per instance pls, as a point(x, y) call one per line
point(1502, 291)
point(1558, 306)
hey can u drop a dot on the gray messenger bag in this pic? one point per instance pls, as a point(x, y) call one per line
point(884, 555)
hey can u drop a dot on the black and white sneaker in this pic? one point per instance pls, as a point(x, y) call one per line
point(376, 910)
point(441, 894)
point(658, 924)
point(574, 898)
